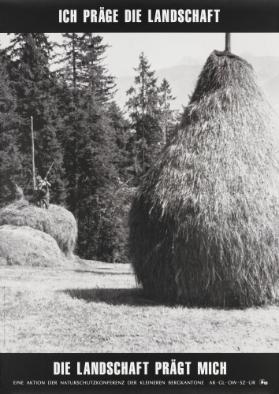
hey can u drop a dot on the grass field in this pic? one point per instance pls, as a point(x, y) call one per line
point(97, 307)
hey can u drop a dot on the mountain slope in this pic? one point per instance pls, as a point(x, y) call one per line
point(182, 79)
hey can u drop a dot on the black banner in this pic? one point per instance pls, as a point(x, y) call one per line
point(139, 16)
point(140, 373)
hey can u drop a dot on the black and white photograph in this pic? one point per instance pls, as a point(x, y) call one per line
point(139, 192)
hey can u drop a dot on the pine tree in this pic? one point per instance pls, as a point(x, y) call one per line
point(91, 151)
point(82, 65)
point(167, 114)
point(118, 210)
point(144, 109)
point(121, 134)
point(34, 85)
point(70, 60)
point(94, 74)
point(97, 179)
point(143, 98)
point(10, 158)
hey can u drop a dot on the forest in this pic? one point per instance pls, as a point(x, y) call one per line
point(99, 152)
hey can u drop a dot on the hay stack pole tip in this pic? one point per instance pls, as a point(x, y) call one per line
point(228, 42)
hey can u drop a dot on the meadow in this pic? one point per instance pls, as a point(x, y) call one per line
point(98, 307)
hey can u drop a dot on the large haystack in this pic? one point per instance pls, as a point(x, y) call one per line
point(29, 247)
point(55, 221)
point(204, 225)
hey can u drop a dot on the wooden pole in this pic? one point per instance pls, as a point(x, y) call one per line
point(33, 155)
point(228, 42)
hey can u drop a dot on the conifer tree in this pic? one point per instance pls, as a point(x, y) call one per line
point(10, 158)
point(143, 98)
point(83, 66)
point(94, 74)
point(70, 60)
point(144, 109)
point(91, 149)
point(118, 210)
point(167, 114)
point(34, 85)
point(121, 133)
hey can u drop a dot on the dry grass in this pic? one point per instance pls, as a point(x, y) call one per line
point(97, 307)
point(204, 225)
point(28, 247)
point(55, 221)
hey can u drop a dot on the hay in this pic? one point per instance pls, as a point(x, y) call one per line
point(55, 221)
point(204, 224)
point(26, 246)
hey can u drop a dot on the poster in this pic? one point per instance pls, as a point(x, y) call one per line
point(139, 196)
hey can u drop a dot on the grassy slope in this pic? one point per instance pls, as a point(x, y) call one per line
point(97, 308)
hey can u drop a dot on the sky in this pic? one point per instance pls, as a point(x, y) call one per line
point(164, 50)
point(168, 49)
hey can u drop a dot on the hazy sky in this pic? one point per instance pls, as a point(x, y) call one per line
point(168, 49)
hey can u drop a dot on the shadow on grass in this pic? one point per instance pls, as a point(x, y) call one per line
point(101, 272)
point(133, 297)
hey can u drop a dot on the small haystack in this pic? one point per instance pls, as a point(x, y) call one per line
point(26, 246)
point(204, 224)
point(55, 221)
